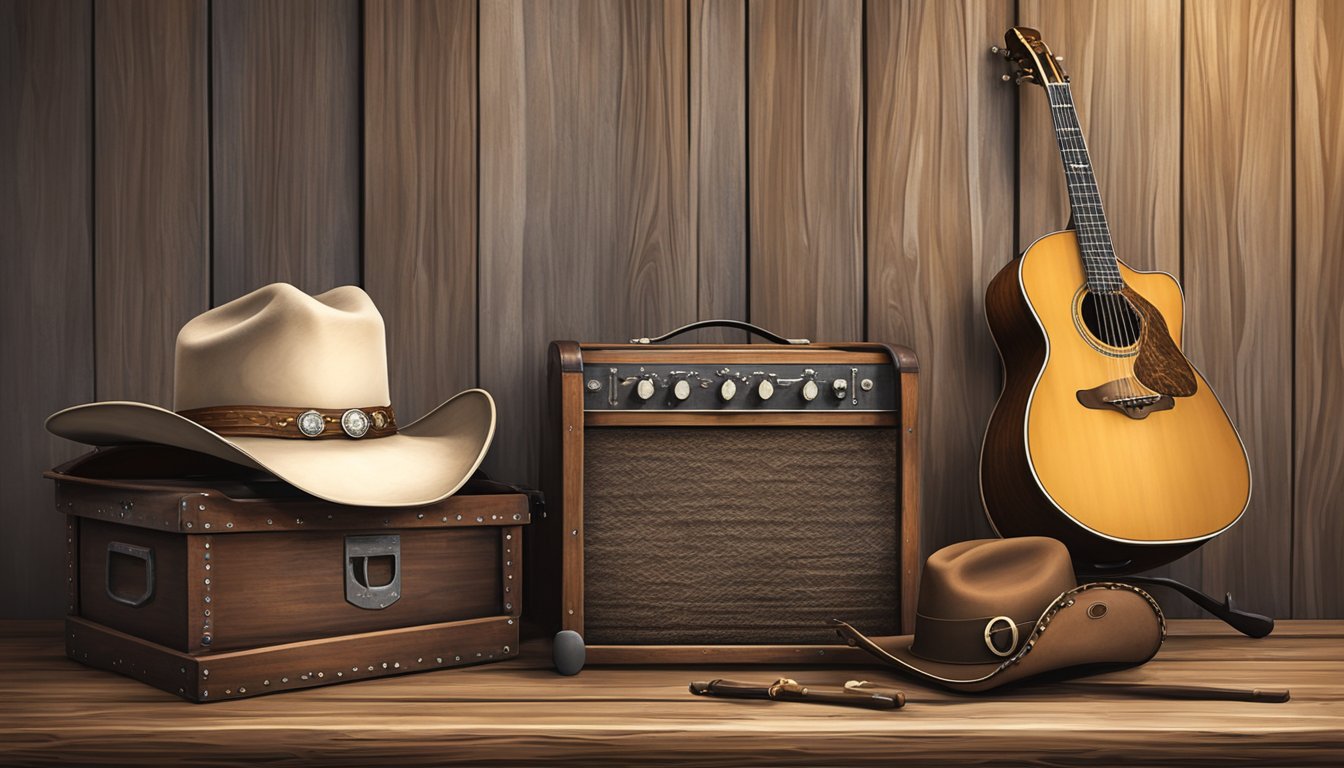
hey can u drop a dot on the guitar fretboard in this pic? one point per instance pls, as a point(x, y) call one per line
point(1089, 219)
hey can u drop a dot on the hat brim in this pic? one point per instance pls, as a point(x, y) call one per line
point(424, 462)
point(1129, 631)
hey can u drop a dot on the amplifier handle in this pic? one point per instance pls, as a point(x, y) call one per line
point(738, 324)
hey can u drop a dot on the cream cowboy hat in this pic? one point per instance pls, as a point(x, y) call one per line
point(296, 385)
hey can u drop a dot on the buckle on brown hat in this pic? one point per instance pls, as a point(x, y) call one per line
point(989, 636)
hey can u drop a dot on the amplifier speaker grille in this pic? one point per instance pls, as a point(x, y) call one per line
point(739, 535)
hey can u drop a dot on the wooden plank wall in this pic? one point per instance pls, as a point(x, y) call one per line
point(420, 193)
point(500, 173)
point(46, 321)
point(585, 196)
point(151, 192)
point(1318, 322)
point(805, 167)
point(941, 133)
point(1236, 210)
point(285, 144)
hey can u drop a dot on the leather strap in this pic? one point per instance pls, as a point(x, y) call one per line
point(967, 641)
point(272, 421)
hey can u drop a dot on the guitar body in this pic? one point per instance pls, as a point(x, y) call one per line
point(1126, 488)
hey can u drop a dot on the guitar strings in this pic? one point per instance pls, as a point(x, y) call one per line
point(1088, 232)
point(1114, 311)
point(1128, 319)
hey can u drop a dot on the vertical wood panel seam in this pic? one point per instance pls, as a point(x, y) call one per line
point(93, 194)
point(746, 157)
point(1180, 152)
point(867, 161)
point(361, 118)
point(1292, 304)
point(209, 151)
point(480, 227)
point(693, 173)
point(1017, 168)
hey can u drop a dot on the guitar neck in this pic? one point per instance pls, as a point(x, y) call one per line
point(1089, 218)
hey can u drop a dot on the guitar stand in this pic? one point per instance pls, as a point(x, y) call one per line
point(1245, 622)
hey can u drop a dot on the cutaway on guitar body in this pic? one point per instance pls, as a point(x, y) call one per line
point(1079, 447)
point(1105, 436)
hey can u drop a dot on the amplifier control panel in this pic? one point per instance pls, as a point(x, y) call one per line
point(739, 387)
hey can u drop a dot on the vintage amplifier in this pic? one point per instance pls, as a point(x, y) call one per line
point(719, 503)
point(214, 582)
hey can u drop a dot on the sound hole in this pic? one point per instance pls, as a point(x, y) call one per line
point(1110, 319)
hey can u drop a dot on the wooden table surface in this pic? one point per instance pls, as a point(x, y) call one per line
point(55, 711)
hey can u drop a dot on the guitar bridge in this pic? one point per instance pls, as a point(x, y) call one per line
point(1118, 395)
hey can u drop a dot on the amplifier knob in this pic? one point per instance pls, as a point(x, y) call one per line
point(682, 389)
point(809, 390)
point(728, 389)
point(765, 390)
point(838, 387)
point(644, 389)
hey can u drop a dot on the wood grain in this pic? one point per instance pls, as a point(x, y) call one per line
point(940, 224)
point(585, 225)
point(1236, 236)
point(420, 193)
point(1318, 411)
point(805, 169)
point(446, 575)
point(152, 190)
point(1176, 476)
point(912, 511)
point(285, 145)
point(649, 163)
point(163, 618)
point(519, 711)
point(232, 675)
point(1125, 62)
point(46, 321)
point(718, 163)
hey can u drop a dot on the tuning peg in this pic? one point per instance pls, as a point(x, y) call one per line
point(1025, 79)
point(1059, 59)
point(1007, 78)
point(997, 51)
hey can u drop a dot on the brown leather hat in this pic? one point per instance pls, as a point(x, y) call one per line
point(985, 606)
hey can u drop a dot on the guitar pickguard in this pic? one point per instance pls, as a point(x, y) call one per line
point(1160, 365)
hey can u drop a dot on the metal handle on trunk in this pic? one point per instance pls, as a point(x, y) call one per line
point(359, 591)
point(144, 554)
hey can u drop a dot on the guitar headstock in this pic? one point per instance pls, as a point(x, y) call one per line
point(1030, 58)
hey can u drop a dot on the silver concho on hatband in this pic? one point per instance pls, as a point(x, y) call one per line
point(311, 423)
point(989, 636)
point(355, 423)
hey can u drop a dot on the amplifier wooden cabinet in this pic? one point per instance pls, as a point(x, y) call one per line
point(719, 503)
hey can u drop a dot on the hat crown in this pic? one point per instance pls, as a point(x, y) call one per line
point(280, 347)
point(983, 578)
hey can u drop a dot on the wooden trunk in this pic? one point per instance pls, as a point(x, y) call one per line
point(189, 575)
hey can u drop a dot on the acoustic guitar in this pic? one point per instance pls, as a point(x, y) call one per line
point(1105, 436)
